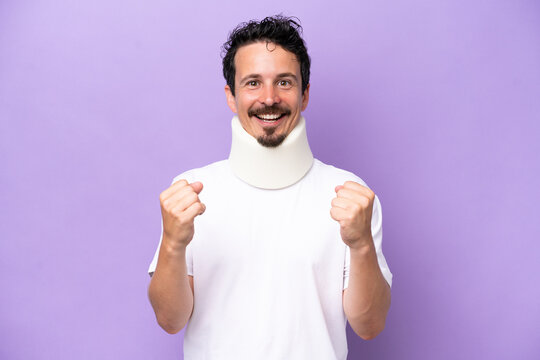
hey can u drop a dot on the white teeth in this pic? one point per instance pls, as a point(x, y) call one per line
point(269, 117)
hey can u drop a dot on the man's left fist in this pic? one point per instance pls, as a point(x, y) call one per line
point(352, 208)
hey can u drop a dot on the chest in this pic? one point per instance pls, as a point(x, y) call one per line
point(274, 230)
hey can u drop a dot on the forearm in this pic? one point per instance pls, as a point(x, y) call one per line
point(169, 291)
point(367, 298)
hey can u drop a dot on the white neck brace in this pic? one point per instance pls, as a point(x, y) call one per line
point(267, 167)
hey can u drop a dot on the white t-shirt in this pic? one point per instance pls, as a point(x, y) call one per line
point(269, 268)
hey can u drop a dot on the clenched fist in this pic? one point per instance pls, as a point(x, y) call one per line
point(352, 208)
point(179, 205)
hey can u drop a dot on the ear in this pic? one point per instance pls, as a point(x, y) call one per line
point(231, 101)
point(305, 98)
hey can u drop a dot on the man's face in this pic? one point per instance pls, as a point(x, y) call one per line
point(268, 92)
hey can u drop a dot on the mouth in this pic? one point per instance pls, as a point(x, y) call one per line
point(270, 118)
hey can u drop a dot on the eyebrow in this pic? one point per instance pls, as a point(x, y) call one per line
point(287, 74)
point(257, 76)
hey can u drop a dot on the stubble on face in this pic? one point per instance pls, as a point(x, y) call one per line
point(266, 64)
point(269, 139)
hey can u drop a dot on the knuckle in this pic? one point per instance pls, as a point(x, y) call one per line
point(182, 182)
point(202, 208)
point(162, 197)
point(176, 212)
point(191, 197)
point(165, 203)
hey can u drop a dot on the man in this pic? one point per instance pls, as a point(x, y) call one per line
point(286, 249)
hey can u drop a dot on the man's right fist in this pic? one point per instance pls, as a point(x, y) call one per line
point(179, 205)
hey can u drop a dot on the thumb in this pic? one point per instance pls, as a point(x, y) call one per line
point(339, 187)
point(197, 186)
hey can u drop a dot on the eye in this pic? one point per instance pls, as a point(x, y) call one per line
point(284, 82)
point(252, 83)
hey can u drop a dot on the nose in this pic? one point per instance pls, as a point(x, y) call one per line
point(269, 95)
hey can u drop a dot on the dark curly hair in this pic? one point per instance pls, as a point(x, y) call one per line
point(278, 29)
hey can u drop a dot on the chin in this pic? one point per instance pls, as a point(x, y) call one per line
point(271, 141)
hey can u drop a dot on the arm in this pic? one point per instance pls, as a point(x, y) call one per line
point(367, 298)
point(171, 289)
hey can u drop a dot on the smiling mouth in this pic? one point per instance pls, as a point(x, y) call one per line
point(270, 118)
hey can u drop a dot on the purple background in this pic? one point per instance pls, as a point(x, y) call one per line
point(435, 104)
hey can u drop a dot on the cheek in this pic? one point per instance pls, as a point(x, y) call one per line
point(247, 101)
point(292, 100)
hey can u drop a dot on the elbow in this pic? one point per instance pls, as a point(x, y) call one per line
point(169, 327)
point(171, 320)
point(171, 330)
point(370, 331)
point(369, 335)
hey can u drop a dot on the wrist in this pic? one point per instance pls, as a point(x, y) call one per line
point(363, 247)
point(172, 246)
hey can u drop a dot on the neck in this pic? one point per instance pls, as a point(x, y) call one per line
point(270, 167)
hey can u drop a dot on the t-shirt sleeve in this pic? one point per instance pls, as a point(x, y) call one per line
point(376, 232)
point(189, 254)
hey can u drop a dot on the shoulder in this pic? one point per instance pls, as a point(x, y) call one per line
point(335, 174)
point(338, 176)
point(203, 173)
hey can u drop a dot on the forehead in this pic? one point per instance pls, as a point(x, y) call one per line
point(265, 59)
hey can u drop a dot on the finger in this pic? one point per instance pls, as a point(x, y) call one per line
point(337, 188)
point(351, 194)
point(358, 187)
point(177, 185)
point(197, 186)
point(338, 213)
point(175, 197)
point(181, 202)
point(194, 209)
point(343, 203)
